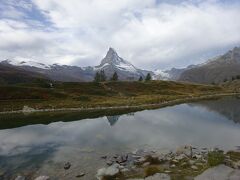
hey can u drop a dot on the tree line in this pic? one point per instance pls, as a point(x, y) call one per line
point(100, 76)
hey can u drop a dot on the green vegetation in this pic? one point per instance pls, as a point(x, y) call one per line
point(114, 77)
point(148, 77)
point(140, 79)
point(102, 94)
point(215, 158)
point(100, 76)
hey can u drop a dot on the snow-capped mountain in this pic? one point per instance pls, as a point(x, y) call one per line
point(113, 63)
point(26, 62)
point(110, 63)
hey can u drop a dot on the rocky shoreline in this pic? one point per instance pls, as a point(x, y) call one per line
point(186, 162)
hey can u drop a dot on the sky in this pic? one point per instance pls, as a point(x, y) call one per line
point(151, 34)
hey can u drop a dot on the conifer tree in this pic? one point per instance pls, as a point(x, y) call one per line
point(148, 77)
point(114, 77)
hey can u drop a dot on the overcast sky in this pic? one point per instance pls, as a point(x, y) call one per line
point(149, 33)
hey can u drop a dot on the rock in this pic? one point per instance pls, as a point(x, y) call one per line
point(197, 156)
point(121, 159)
point(236, 165)
point(191, 162)
point(199, 164)
point(146, 164)
point(109, 172)
point(173, 166)
point(220, 172)
point(158, 176)
point(80, 175)
point(20, 178)
point(167, 171)
point(104, 157)
point(187, 150)
point(42, 178)
point(175, 161)
point(27, 109)
point(140, 161)
point(180, 157)
point(67, 165)
point(124, 170)
point(194, 167)
point(109, 163)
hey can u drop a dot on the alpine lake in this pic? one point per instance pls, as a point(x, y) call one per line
point(40, 144)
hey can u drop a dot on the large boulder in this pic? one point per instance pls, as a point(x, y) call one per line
point(220, 172)
point(109, 172)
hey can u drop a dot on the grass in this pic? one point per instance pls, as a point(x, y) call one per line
point(70, 95)
point(215, 158)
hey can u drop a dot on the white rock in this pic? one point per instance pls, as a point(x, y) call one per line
point(42, 178)
point(194, 167)
point(220, 172)
point(110, 171)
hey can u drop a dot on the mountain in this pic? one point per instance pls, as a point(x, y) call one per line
point(12, 75)
point(125, 70)
point(215, 70)
point(110, 63)
point(172, 74)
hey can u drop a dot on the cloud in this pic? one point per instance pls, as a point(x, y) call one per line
point(150, 34)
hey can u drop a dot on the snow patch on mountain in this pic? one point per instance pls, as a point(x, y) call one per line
point(161, 75)
point(25, 62)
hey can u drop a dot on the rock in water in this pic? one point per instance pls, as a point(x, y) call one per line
point(80, 175)
point(109, 172)
point(67, 165)
point(20, 178)
point(159, 176)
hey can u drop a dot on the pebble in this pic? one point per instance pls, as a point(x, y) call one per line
point(67, 165)
point(194, 167)
point(80, 175)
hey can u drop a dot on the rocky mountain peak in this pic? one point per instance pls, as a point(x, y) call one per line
point(112, 58)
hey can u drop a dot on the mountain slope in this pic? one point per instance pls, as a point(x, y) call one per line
point(13, 75)
point(215, 70)
point(110, 64)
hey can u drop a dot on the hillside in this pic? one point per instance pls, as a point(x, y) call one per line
point(13, 75)
point(215, 70)
point(67, 95)
point(111, 63)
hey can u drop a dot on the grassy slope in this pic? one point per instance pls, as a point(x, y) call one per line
point(97, 94)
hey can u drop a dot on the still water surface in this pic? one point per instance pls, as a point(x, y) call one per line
point(43, 149)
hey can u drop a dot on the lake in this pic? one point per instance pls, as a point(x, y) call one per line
point(39, 149)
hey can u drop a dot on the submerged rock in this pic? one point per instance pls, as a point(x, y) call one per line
point(67, 165)
point(20, 178)
point(80, 175)
point(159, 176)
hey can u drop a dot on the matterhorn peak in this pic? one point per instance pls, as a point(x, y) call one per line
point(112, 57)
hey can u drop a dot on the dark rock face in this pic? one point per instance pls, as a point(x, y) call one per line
point(216, 70)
